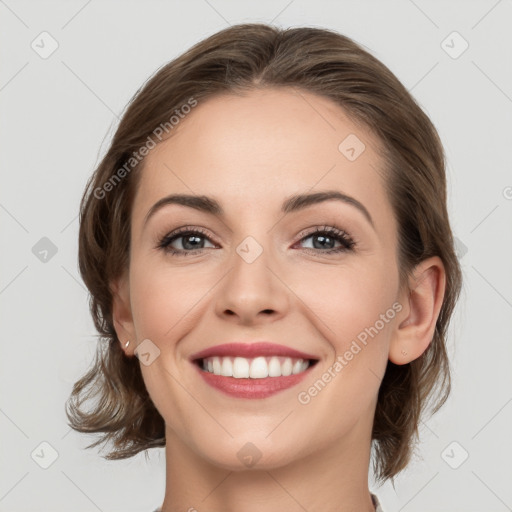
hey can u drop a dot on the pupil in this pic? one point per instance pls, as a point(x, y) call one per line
point(323, 238)
point(188, 239)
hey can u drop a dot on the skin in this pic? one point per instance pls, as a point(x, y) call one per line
point(250, 153)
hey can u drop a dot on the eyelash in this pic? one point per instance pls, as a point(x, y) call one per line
point(339, 235)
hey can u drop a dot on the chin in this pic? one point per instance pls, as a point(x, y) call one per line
point(252, 453)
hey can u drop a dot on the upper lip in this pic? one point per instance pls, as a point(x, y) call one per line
point(250, 350)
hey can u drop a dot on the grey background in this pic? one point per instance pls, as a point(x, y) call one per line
point(58, 114)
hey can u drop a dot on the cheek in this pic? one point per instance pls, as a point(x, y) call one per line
point(165, 301)
point(349, 301)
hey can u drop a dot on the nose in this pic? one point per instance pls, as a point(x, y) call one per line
point(252, 292)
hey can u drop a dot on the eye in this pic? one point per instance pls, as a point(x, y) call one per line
point(188, 238)
point(326, 238)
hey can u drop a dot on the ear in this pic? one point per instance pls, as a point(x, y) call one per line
point(421, 303)
point(122, 314)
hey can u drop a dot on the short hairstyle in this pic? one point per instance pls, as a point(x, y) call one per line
point(235, 60)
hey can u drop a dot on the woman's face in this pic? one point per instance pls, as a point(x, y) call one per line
point(258, 273)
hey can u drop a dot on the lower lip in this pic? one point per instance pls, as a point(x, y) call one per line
point(252, 388)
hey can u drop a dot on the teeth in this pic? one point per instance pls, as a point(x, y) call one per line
point(257, 368)
point(241, 368)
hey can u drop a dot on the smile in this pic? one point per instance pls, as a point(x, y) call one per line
point(240, 377)
point(254, 368)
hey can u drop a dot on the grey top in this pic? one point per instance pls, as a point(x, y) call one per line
point(376, 502)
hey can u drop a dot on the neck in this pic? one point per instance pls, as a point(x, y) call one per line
point(333, 479)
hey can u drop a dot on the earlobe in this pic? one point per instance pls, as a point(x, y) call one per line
point(415, 330)
point(122, 314)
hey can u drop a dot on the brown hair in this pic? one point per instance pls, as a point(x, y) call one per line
point(234, 60)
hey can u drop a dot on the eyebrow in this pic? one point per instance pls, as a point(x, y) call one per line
point(292, 204)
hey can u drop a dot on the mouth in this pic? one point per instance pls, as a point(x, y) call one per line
point(252, 370)
point(256, 378)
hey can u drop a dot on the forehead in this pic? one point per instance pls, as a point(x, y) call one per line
point(252, 150)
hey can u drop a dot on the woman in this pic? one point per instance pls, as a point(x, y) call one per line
point(271, 266)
